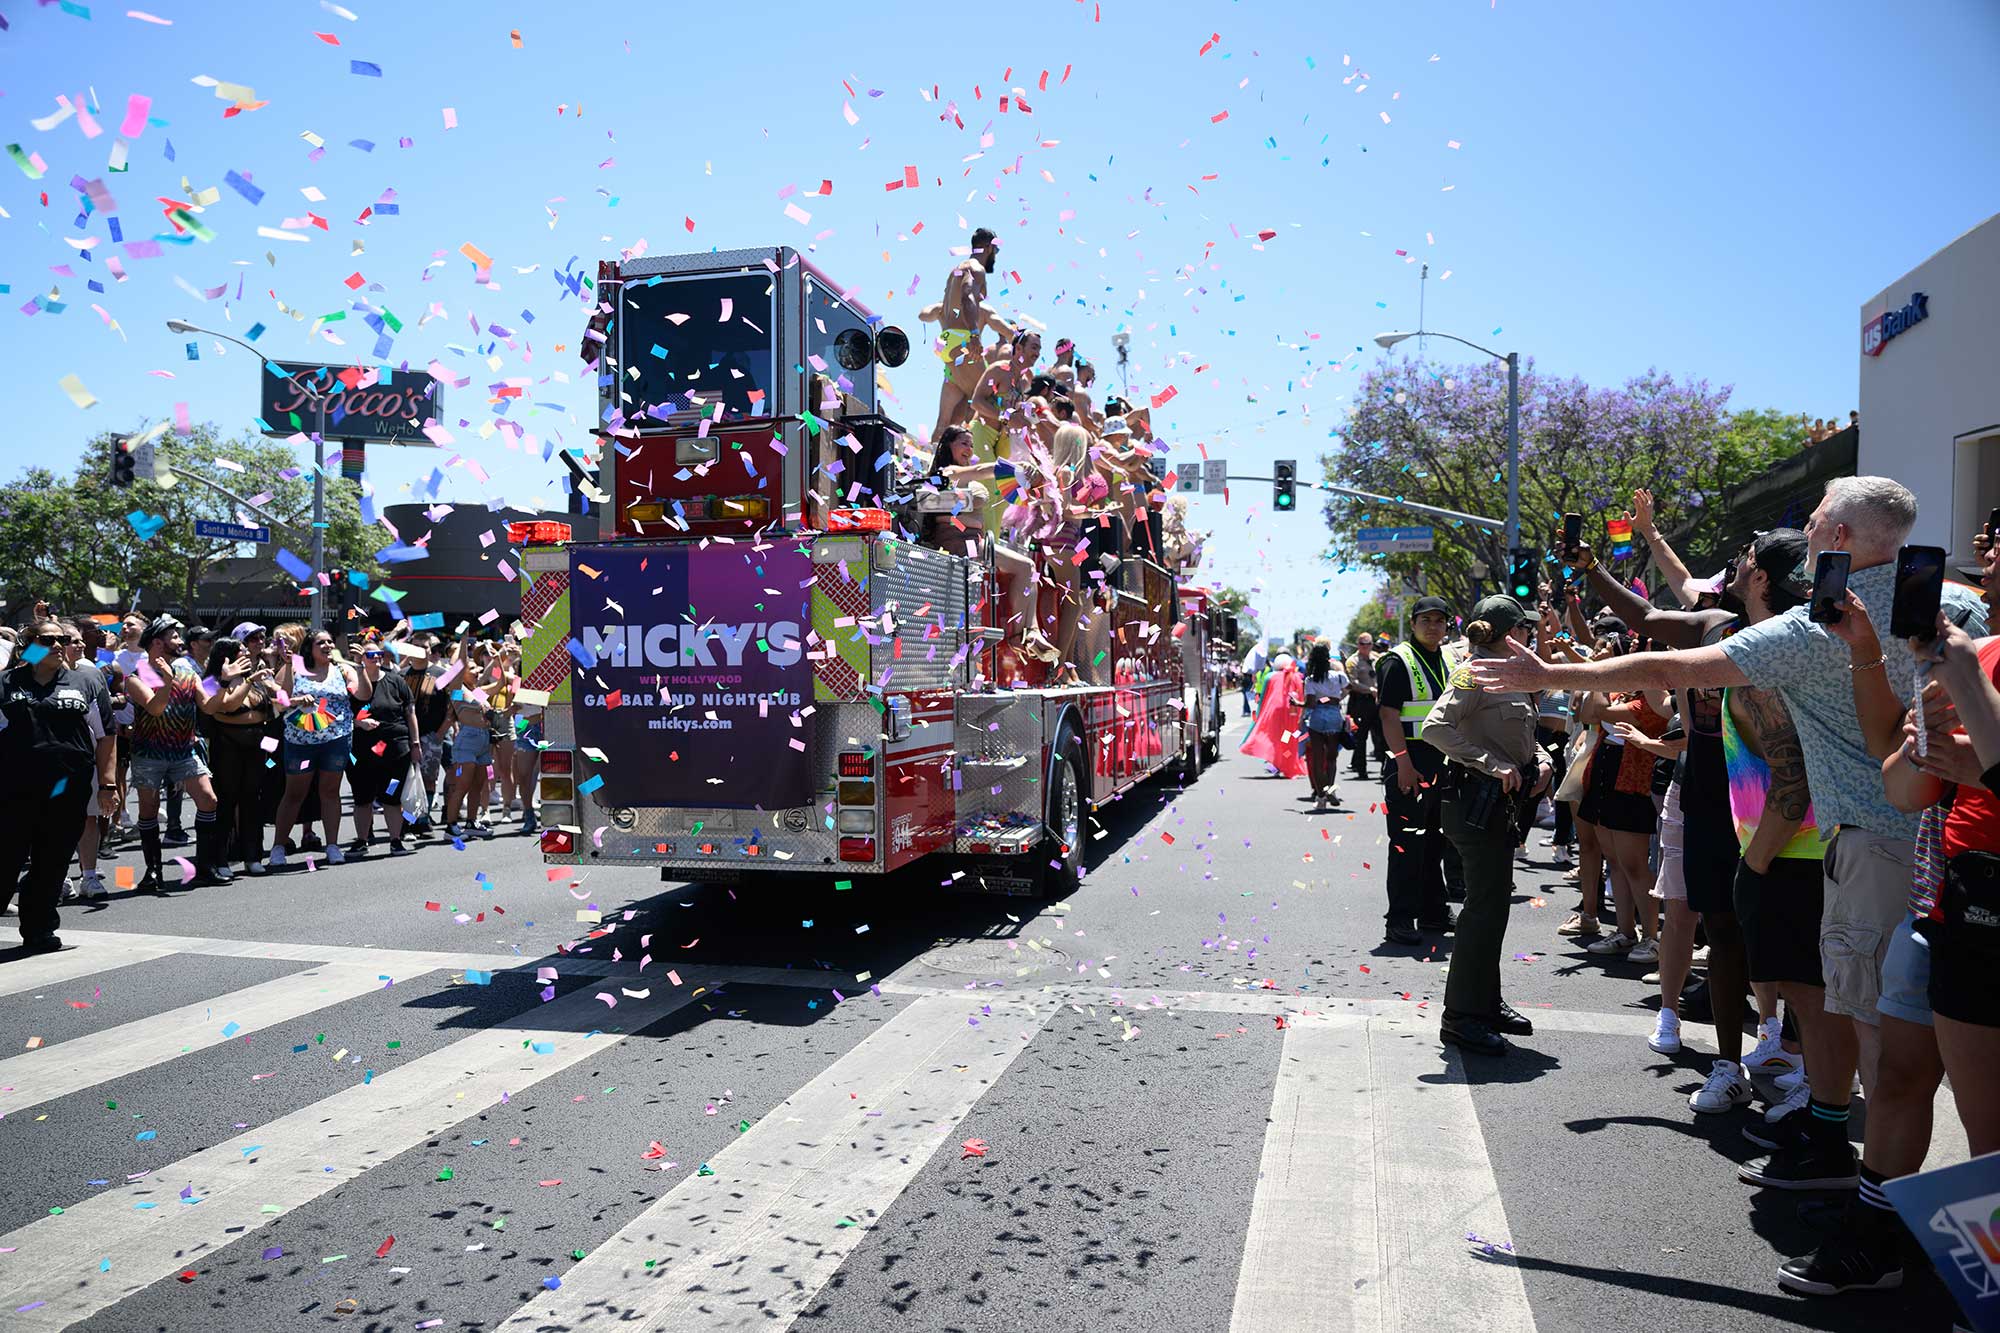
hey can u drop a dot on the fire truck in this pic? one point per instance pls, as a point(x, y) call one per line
point(754, 669)
point(1208, 651)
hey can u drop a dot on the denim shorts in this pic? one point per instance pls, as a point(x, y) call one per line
point(1906, 976)
point(318, 757)
point(153, 774)
point(471, 745)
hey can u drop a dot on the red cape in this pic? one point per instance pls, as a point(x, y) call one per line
point(1275, 738)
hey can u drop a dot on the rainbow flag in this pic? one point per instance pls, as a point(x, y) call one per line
point(1005, 479)
point(1620, 532)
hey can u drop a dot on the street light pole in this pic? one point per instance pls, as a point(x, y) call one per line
point(1513, 360)
point(317, 590)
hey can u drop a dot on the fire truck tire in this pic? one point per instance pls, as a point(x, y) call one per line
point(1193, 754)
point(1061, 854)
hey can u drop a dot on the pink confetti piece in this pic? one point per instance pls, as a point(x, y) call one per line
point(136, 107)
point(144, 17)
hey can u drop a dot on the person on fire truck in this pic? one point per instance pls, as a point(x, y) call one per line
point(955, 466)
point(964, 315)
point(999, 404)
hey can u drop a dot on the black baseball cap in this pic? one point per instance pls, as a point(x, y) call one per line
point(1424, 605)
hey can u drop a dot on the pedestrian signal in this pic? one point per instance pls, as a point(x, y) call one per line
point(1521, 577)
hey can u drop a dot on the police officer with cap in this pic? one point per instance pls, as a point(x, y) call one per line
point(1409, 679)
point(1493, 763)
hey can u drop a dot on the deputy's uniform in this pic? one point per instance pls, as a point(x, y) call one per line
point(1479, 731)
point(1423, 869)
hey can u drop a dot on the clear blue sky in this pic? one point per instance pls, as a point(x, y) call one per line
point(1707, 188)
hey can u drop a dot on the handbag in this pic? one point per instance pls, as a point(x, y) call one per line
point(1579, 767)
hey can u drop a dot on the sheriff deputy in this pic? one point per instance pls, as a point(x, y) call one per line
point(1488, 739)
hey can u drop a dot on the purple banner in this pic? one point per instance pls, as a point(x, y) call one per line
point(688, 670)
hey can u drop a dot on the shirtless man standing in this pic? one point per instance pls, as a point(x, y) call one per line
point(964, 315)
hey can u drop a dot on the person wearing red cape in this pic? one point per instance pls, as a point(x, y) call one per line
point(1275, 737)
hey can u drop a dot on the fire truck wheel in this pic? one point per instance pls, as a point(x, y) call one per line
point(1061, 855)
point(1192, 755)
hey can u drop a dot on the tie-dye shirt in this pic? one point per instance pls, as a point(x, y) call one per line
point(1749, 782)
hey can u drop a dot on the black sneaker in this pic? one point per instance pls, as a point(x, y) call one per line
point(50, 943)
point(398, 849)
point(1443, 926)
point(1860, 1258)
point(151, 882)
point(1401, 935)
point(1512, 1022)
point(1785, 1134)
point(311, 843)
point(1812, 1167)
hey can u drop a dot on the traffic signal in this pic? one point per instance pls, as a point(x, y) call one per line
point(1284, 481)
point(124, 468)
point(1521, 576)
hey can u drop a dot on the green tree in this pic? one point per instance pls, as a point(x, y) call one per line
point(1370, 619)
point(84, 543)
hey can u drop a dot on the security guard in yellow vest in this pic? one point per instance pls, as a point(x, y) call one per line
point(1423, 867)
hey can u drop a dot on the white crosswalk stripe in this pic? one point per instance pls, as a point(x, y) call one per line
point(289, 1162)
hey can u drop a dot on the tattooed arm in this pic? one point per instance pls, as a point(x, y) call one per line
point(1767, 726)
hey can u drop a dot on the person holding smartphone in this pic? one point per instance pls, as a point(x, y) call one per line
point(57, 758)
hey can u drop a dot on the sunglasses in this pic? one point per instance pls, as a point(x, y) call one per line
point(371, 657)
point(49, 640)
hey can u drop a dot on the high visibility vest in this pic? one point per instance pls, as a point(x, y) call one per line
point(1421, 700)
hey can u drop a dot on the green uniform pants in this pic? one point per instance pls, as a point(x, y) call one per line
point(1472, 988)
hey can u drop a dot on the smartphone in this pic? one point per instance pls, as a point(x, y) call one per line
point(1993, 528)
point(1919, 592)
point(1573, 533)
point(1829, 588)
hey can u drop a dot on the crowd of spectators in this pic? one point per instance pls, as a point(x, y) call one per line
point(257, 731)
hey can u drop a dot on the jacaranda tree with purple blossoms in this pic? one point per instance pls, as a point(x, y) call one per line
point(1437, 434)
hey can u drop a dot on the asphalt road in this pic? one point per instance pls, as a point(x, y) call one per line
point(1199, 1094)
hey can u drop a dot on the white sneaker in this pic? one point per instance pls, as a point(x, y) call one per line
point(1790, 1080)
point(68, 893)
point(1666, 1038)
point(1725, 1090)
point(1794, 1100)
point(1562, 857)
point(1619, 943)
point(334, 856)
point(1646, 951)
point(277, 857)
point(92, 886)
point(1770, 1057)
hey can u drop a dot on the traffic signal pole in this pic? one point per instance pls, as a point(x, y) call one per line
point(1490, 524)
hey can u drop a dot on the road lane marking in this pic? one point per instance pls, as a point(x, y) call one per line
point(32, 973)
point(297, 1158)
point(98, 1057)
point(752, 1246)
point(1374, 1172)
point(1309, 1258)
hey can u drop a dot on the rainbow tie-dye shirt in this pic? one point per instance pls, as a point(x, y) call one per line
point(1749, 781)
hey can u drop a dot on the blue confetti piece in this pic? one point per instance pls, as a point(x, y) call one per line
point(590, 785)
point(367, 1076)
point(294, 566)
point(429, 620)
point(551, 1282)
point(239, 183)
point(543, 1048)
point(365, 145)
point(582, 655)
point(256, 332)
point(473, 978)
point(231, 1028)
point(117, 231)
point(274, 1252)
point(367, 68)
point(146, 1136)
point(255, 1147)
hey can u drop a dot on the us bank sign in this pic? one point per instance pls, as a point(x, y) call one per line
point(1877, 332)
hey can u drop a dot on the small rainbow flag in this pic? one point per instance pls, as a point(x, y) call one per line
point(1620, 532)
point(1004, 477)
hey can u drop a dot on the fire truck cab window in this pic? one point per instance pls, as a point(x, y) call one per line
point(827, 317)
point(684, 364)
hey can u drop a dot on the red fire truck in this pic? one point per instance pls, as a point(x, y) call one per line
point(756, 668)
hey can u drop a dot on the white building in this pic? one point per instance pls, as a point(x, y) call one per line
point(1930, 388)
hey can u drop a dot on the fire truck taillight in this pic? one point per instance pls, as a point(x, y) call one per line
point(857, 764)
point(739, 506)
point(851, 849)
point(559, 842)
point(537, 532)
point(857, 821)
point(856, 791)
point(647, 511)
point(858, 520)
point(558, 788)
point(557, 761)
